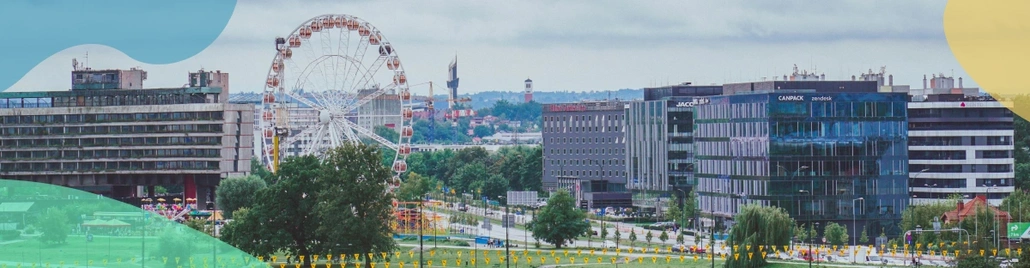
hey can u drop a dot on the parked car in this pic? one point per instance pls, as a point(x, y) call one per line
point(609, 244)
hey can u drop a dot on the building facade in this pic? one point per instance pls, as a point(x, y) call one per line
point(117, 142)
point(584, 142)
point(961, 145)
point(823, 157)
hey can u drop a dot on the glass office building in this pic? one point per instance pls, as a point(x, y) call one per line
point(660, 150)
point(813, 154)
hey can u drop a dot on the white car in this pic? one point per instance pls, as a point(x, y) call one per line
point(609, 244)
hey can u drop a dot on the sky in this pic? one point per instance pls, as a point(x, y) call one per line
point(577, 45)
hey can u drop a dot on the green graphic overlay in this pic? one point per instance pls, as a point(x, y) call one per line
point(43, 225)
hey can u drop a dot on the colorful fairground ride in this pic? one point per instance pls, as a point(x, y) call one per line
point(413, 218)
point(180, 210)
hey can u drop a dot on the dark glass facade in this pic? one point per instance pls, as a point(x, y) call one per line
point(813, 154)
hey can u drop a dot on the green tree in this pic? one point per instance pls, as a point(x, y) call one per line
point(980, 226)
point(836, 234)
point(1024, 258)
point(977, 261)
point(690, 205)
point(800, 233)
point(413, 188)
point(284, 214)
point(617, 235)
point(54, 225)
point(679, 238)
point(354, 203)
point(757, 225)
point(1018, 205)
point(664, 236)
point(647, 237)
point(604, 232)
point(482, 131)
point(258, 169)
point(469, 178)
point(236, 192)
point(632, 237)
point(197, 224)
point(245, 233)
point(174, 243)
point(559, 222)
point(864, 238)
point(675, 214)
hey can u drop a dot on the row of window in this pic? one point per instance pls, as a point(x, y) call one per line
point(110, 166)
point(873, 148)
point(587, 173)
point(959, 113)
point(959, 183)
point(126, 141)
point(88, 130)
point(983, 125)
point(959, 141)
point(990, 168)
point(582, 129)
point(133, 99)
point(580, 140)
point(798, 169)
point(100, 118)
point(586, 162)
point(839, 109)
point(92, 154)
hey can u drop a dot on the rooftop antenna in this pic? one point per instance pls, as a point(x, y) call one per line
point(86, 65)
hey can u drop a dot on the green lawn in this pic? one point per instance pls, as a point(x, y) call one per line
point(105, 251)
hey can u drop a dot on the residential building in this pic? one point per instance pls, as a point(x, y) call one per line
point(584, 144)
point(823, 156)
point(118, 142)
point(960, 144)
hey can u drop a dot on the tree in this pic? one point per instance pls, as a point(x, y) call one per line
point(1017, 204)
point(800, 233)
point(690, 205)
point(414, 188)
point(258, 169)
point(236, 192)
point(245, 232)
point(836, 234)
point(675, 214)
point(468, 177)
point(354, 202)
point(197, 224)
point(757, 225)
point(54, 225)
point(980, 225)
point(284, 218)
point(679, 238)
point(1024, 259)
point(977, 261)
point(864, 238)
point(175, 244)
point(604, 232)
point(648, 237)
point(663, 237)
point(617, 235)
point(482, 131)
point(632, 237)
point(559, 221)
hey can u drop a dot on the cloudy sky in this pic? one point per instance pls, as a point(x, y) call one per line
point(579, 45)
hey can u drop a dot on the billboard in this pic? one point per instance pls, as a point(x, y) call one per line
point(522, 198)
point(1018, 230)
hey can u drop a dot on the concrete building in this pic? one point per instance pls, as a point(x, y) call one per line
point(584, 149)
point(960, 144)
point(118, 142)
point(811, 153)
point(88, 79)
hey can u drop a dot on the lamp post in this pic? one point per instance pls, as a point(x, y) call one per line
point(711, 206)
point(811, 257)
point(912, 182)
point(421, 222)
point(854, 226)
point(507, 254)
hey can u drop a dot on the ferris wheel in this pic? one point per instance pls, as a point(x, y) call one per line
point(335, 79)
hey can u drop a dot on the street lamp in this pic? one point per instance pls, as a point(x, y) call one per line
point(854, 226)
point(912, 181)
point(811, 256)
point(507, 254)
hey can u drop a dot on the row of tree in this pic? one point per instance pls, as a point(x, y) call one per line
point(474, 170)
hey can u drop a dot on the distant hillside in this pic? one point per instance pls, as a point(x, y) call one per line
point(488, 98)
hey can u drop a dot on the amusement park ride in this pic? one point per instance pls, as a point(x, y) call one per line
point(324, 89)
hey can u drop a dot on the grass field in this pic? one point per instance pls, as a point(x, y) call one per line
point(106, 251)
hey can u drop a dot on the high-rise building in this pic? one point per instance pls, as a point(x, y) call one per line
point(822, 156)
point(452, 83)
point(118, 142)
point(659, 150)
point(960, 144)
point(585, 152)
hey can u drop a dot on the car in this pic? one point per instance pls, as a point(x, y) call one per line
point(609, 244)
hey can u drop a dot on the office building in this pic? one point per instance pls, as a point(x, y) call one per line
point(118, 142)
point(686, 89)
point(960, 144)
point(584, 149)
point(85, 78)
point(811, 153)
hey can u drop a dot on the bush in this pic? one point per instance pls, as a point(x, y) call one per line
point(461, 243)
point(30, 230)
point(9, 235)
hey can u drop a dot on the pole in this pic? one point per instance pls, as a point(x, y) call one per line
point(711, 206)
point(507, 254)
point(421, 222)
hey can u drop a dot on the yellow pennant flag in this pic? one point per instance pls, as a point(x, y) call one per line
point(557, 260)
point(695, 257)
point(429, 262)
point(654, 259)
point(487, 260)
point(736, 256)
point(668, 259)
point(981, 252)
point(515, 259)
point(994, 252)
point(586, 259)
point(529, 259)
point(387, 265)
point(598, 259)
point(613, 260)
point(444, 262)
point(401, 264)
point(432, 253)
point(656, 250)
point(579, 252)
point(640, 260)
point(566, 252)
point(630, 250)
point(572, 260)
point(591, 252)
point(373, 264)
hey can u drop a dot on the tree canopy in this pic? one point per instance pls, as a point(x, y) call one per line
point(336, 205)
point(758, 225)
point(559, 222)
point(237, 192)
